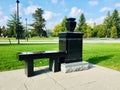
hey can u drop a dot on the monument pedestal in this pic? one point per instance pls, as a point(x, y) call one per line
point(75, 66)
point(71, 42)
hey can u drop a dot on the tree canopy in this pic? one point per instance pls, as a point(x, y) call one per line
point(39, 21)
point(60, 27)
point(12, 27)
point(81, 23)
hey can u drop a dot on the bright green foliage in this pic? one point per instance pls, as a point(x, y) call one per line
point(89, 32)
point(113, 32)
point(101, 31)
point(84, 30)
point(111, 21)
point(116, 21)
point(58, 28)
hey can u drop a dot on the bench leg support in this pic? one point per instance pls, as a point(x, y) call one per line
point(54, 64)
point(29, 66)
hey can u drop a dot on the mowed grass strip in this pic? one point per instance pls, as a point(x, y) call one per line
point(8, 55)
point(103, 54)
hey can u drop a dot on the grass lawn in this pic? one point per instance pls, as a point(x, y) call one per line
point(107, 55)
point(8, 55)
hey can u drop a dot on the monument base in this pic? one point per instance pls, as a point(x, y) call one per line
point(75, 66)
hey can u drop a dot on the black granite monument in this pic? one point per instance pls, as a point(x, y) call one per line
point(71, 42)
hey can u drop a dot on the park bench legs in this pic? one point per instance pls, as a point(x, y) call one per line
point(54, 64)
point(29, 67)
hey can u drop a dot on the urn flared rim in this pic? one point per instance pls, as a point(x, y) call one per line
point(70, 19)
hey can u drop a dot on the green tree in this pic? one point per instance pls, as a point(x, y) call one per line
point(63, 23)
point(113, 32)
point(84, 30)
point(101, 32)
point(89, 32)
point(108, 24)
point(39, 21)
point(33, 33)
point(95, 31)
point(61, 27)
point(81, 22)
point(12, 27)
point(4, 31)
point(116, 21)
point(11, 24)
point(57, 29)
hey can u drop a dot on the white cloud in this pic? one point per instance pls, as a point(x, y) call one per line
point(62, 2)
point(96, 21)
point(75, 12)
point(99, 20)
point(51, 25)
point(54, 1)
point(91, 22)
point(117, 5)
point(30, 9)
point(119, 12)
point(105, 9)
point(13, 8)
point(3, 19)
point(0, 12)
point(49, 15)
point(93, 3)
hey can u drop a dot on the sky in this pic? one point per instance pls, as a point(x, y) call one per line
point(55, 10)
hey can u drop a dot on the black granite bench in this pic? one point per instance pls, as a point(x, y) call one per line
point(54, 60)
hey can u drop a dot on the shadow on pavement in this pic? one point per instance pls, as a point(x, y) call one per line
point(41, 71)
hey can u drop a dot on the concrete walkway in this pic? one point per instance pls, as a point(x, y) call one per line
point(96, 78)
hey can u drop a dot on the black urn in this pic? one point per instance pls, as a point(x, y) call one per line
point(70, 24)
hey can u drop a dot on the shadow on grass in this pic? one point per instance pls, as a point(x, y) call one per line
point(95, 60)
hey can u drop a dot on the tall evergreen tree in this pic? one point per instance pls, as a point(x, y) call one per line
point(39, 21)
point(11, 24)
point(116, 21)
point(108, 24)
point(81, 22)
point(12, 27)
point(63, 23)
